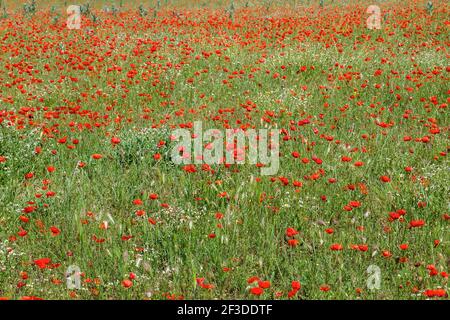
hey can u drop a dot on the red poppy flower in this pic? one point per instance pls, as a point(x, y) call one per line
point(296, 285)
point(290, 232)
point(264, 284)
point(127, 283)
point(252, 279)
point(435, 293)
point(22, 233)
point(355, 204)
point(153, 196)
point(346, 159)
point(292, 293)
point(140, 213)
point(416, 223)
point(30, 298)
point(29, 209)
point(29, 175)
point(43, 262)
point(363, 247)
point(201, 283)
point(257, 291)
point(325, 288)
point(386, 254)
point(336, 247)
point(55, 231)
point(115, 140)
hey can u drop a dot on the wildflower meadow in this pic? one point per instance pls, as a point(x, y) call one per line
point(171, 149)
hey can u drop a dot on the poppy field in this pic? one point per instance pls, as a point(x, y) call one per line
point(92, 205)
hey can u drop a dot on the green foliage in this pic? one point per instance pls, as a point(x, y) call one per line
point(55, 19)
point(142, 11)
point(137, 146)
point(231, 11)
point(430, 7)
point(30, 8)
point(19, 149)
point(114, 9)
point(4, 13)
point(85, 9)
point(95, 19)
